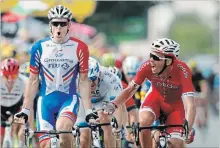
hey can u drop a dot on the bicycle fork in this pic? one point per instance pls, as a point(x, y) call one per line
point(163, 142)
point(7, 142)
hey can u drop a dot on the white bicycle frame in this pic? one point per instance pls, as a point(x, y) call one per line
point(7, 141)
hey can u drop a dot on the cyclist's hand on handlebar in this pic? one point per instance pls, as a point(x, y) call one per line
point(191, 136)
point(22, 116)
point(109, 107)
point(91, 117)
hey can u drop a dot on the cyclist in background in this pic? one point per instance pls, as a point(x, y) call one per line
point(130, 67)
point(201, 96)
point(172, 92)
point(58, 60)
point(107, 60)
point(12, 90)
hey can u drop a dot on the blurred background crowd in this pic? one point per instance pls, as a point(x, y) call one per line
point(114, 30)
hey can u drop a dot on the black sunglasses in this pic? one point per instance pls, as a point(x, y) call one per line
point(61, 24)
point(156, 58)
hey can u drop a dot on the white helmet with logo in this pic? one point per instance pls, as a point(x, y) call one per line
point(94, 69)
point(130, 65)
point(166, 46)
point(59, 11)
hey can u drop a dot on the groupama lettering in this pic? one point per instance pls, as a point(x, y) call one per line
point(58, 60)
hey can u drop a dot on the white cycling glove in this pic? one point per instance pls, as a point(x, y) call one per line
point(109, 107)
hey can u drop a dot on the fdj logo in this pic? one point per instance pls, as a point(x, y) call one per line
point(65, 66)
point(54, 65)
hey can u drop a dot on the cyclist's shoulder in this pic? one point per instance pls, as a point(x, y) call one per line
point(181, 66)
point(106, 73)
point(80, 42)
point(38, 42)
point(178, 63)
point(109, 78)
point(145, 66)
point(37, 45)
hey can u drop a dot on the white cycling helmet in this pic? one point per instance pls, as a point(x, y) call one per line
point(116, 71)
point(94, 69)
point(130, 65)
point(59, 11)
point(166, 46)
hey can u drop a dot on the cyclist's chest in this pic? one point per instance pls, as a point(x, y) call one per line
point(170, 87)
point(59, 58)
point(11, 97)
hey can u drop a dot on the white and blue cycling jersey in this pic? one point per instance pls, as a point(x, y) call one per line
point(58, 66)
point(108, 87)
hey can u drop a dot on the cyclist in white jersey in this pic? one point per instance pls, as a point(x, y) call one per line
point(105, 86)
point(57, 60)
point(12, 90)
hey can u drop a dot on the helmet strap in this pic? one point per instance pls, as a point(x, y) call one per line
point(51, 30)
point(164, 67)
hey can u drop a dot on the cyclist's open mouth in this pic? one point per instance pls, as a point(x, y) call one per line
point(58, 33)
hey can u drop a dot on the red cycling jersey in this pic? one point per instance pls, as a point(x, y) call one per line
point(166, 93)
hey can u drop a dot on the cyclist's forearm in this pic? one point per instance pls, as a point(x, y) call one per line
point(190, 115)
point(123, 96)
point(30, 92)
point(85, 93)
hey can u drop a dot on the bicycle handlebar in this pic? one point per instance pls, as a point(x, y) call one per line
point(75, 129)
point(162, 128)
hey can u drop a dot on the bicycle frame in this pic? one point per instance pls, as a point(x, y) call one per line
point(7, 141)
point(96, 131)
point(75, 131)
point(163, 139)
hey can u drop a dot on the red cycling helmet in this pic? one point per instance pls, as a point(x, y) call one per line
point(9, 66)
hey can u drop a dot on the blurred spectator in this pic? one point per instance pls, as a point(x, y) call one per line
point(201, 94)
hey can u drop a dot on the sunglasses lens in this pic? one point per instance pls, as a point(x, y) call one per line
point(56, 24)
point(154, 57)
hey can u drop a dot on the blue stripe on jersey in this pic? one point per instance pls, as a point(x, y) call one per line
point(43, 83)
point(73, 81)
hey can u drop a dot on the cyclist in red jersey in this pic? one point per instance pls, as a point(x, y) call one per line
point(172, 92)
